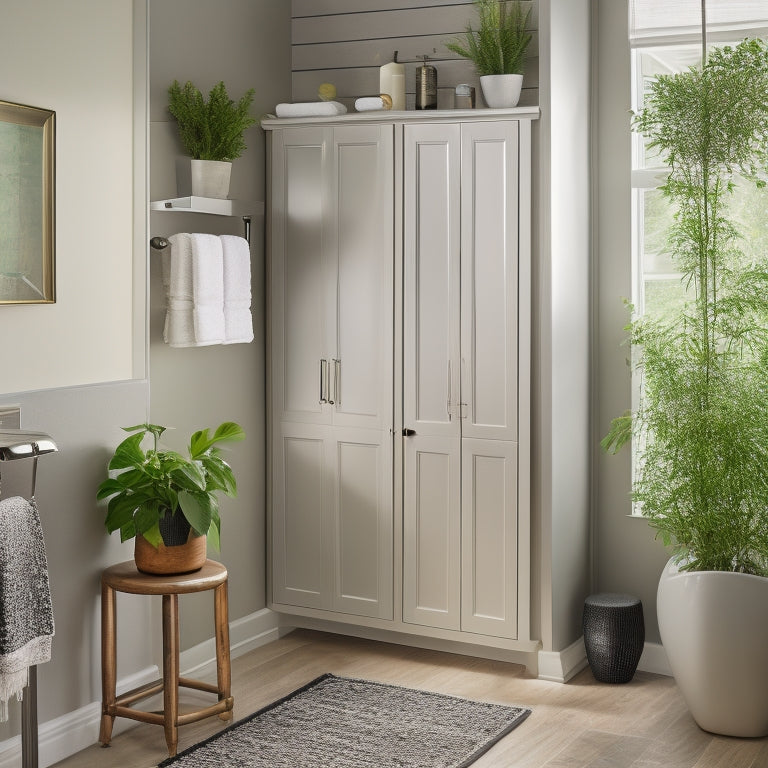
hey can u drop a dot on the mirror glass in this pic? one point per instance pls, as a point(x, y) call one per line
point(27, 157)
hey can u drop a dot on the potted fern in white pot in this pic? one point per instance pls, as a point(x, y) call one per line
point(497, 49)
point(701, 431)
point(212, 134)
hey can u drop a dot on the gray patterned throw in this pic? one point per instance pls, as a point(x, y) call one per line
point(337, 722)
point(26, 617)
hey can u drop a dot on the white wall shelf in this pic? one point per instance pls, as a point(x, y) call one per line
point(210, 205)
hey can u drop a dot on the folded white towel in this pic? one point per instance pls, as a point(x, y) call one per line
point(310, 109)
point(179, 328)
point(372, 103)
point(207, 289)
point(238, 323)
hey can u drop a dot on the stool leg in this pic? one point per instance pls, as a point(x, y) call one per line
point(171, 671)
point(108, 663)
point(223, 668)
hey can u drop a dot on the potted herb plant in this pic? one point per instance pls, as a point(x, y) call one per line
point(701, 430)
point(212, 133)
point(497, 49)
point(167, 501)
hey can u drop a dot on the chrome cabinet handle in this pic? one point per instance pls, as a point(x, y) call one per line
point(336, 381)
point(323, 377)
point(450, 393)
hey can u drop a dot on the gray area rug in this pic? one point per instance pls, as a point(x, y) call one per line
point(338, 722)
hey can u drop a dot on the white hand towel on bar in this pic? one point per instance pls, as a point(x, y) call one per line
point(179, 328)
point(238, 323)
point(207, 289)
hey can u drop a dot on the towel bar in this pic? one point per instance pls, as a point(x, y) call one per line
point(158, 243)
point(21, 444)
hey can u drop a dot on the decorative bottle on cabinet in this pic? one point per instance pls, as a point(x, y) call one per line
point(426, 85)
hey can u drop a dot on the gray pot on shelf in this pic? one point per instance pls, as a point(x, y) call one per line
point(203, 178)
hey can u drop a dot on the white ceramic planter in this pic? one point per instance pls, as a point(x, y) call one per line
point(203, 178)
point(714, 628)
point(501, 91)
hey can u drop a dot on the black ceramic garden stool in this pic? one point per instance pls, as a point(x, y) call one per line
point(614, 633)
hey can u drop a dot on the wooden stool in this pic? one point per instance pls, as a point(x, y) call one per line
point(124, 577)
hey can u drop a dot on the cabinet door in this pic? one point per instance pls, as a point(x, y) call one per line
point(489, 279)
point(432, 532)
point(362, 524)
point(489, 537)
point(431, 326)
point(361, 246)
point(431, 376)
point(302, 503)
point(299, 273)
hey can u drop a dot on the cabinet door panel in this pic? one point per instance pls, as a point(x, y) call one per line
point(363, 244)
point(299, 306)
point(432, 532)
point(489, 279)
point(363, 524)
point(489, 537)
point(432, 270)
point(300, 517)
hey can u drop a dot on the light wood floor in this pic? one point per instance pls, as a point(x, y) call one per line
point(583, 724)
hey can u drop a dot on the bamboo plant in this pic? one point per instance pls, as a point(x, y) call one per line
point(701, 430)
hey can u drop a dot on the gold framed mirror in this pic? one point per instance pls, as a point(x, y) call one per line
point(27, 204)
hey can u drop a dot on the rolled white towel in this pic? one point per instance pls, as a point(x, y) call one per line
point(238, 323)
point(310, 109)
point(373, 103)
point(207, 288)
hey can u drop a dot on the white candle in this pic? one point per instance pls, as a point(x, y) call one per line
point(392, 81)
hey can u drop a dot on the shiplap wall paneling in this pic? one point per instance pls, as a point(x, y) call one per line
point(344, 42)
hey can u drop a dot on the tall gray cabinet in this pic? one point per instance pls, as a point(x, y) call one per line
point(399, 374)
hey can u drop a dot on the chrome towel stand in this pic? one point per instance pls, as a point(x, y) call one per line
point(21, 444)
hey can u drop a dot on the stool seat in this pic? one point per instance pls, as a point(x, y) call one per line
point(614, 635)
point(125, 577)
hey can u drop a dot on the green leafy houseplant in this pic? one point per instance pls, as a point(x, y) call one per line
point(155, 483)
point(498, 46)
point(702, 427)
point(213, 129)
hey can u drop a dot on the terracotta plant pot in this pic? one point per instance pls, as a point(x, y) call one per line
point(181, 552)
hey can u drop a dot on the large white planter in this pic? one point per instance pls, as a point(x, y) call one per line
point(203, 178)
point(501, 91)
point(714, 628)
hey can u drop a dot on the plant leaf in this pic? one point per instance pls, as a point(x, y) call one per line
point(197, 508)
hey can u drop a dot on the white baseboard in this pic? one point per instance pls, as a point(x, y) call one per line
point(74, 731)
point(561, 666)
point(654, 659)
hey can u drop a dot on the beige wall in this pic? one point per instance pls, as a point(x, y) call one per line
point(86, 77)
point(247, 45)
point(83, 46)
point(628, 559)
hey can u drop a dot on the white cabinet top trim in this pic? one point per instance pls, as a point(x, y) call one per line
point(409, 116)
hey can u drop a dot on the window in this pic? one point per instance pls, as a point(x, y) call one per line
point(666, 37)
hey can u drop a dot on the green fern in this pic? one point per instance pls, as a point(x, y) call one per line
point(702, 428)
point(499, 44)
point(211, 130)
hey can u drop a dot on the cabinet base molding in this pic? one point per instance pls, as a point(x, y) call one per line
point(523, 652)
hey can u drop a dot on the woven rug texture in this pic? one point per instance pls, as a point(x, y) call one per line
point(338, 722)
